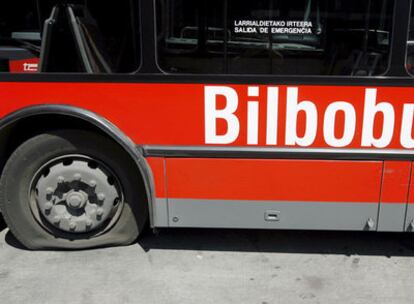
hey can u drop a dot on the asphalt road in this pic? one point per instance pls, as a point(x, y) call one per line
point(216, 266)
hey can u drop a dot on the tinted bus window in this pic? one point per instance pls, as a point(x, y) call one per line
point(76, 36)
point(296, 37)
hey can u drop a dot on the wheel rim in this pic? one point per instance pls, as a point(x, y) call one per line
point(76, 194)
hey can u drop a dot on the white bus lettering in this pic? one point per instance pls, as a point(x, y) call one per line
point(253, 117)
point(212, 114)
point(406, 138)
point(272, 115)
point(371, 109)
point(330, 124)
point(370, 112)
point(293, 108)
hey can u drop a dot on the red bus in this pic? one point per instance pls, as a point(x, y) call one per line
point(260, 114)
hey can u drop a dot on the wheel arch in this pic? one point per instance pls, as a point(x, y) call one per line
point(52, 117)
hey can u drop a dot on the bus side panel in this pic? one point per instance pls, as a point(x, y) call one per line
point(394, 191)
point(267, 193)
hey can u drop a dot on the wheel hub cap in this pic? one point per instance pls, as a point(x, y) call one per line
point(76, 199)
point(76, 194)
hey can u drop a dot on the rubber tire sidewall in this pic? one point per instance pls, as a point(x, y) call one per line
point(33, 154)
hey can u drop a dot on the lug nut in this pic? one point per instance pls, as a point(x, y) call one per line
point(77, 176)
point(72, 226)
point(60, 179)
point(48, 206)
point(49, 190)
point(101, 196)
point(56, 220)
point(88, 223)
point(99, 212)
point(92, 183)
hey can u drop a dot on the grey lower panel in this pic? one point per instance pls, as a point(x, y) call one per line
point(160, 212)
point(280, 215)
point(391, 217)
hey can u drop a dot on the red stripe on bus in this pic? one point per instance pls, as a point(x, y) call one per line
point(276, 180)
point(174, 114)
point(395, 182)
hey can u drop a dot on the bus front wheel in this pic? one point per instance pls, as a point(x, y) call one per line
point(72, 189)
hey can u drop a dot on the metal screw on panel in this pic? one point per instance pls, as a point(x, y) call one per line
point(175, 219)
point(370, 223)
point(412, 225)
